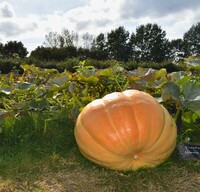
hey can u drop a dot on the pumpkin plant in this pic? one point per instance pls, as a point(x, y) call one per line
point(126, 131)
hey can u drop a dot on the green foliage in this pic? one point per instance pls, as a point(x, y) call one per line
point(12, 48)
point(40, 133)
point(42, 89)
point(183, 89)
point(8, 65)
point(117, 44)
point(193, 64)
point(168, 65)
point(54, 53)
point(149, 43)
point(192, 38)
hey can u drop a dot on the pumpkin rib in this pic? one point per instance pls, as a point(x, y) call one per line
point(92, 137)
point(143, 161)
point(151, 102)
point(86, 128)
point(136, 121)
point(158, 114)
point(113, 126)
point(171, 133)
point(157, 160)
point(159, 135)
point(93, 157)
point(115, 165)
point(131, 98)
point(171, 145)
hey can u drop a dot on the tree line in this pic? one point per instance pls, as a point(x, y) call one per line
point(13, 49)
point(148, 43)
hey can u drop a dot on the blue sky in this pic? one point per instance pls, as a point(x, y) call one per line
point(29, 21)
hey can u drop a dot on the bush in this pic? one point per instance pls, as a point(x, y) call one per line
point(168, 65)
point(102, 64)
point(68, 64)
point(8, 65)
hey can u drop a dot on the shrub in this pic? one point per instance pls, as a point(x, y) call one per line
point(7, 65)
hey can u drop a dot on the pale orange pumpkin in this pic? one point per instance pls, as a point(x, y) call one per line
point(126, 131)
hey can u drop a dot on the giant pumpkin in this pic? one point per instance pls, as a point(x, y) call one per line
point(125, 131)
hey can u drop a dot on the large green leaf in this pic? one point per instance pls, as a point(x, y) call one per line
point(61, 79)
point(191, 90)
point(38, 104)
point(193, 106)
point(158, 74)
point(106, 73)
point(171, 90)
point(193, 63)
point(191, 93)
point(6, 90)
point(25, 86)
point(180, 77)
point(91, 79)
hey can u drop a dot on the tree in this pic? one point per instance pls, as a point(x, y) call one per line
point(66, 39)
point(75, 38)
point(149, 43)
point(99, 49)
point(117, 44)
point(1, 49)
point(100, 42)
point(192, 38)
point(53, 40)
point(14, 47)
point(57, 54)
point(87, 40)
point(178, 46)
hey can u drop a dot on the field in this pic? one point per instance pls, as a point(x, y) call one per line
point(34, 161)
point(38, 114)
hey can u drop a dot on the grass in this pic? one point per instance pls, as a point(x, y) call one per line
point(31, 160)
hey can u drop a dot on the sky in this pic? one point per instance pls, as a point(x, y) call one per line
point(29, 21)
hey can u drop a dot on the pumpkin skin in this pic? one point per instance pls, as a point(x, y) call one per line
point(126, 131)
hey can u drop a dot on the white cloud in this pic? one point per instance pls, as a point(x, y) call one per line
point(6, 10)
point(10, 29)
point(156, 8)
point(175, 17)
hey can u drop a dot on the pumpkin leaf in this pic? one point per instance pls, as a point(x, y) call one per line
point(189, 117)
point(158, 74)
point(171, 90)
point(38, 104)
point(179, 77)
point(90, 79)
point(191, 90)
point(60, 80)
point(24, 86)
point(193, 106)
point(6, 90)
point(193, 63)
point(106, 73)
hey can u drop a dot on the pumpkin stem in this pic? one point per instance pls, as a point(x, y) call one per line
point(135, 157)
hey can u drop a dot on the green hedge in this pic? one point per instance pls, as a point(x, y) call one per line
point(168, 65)
point(7, 65)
